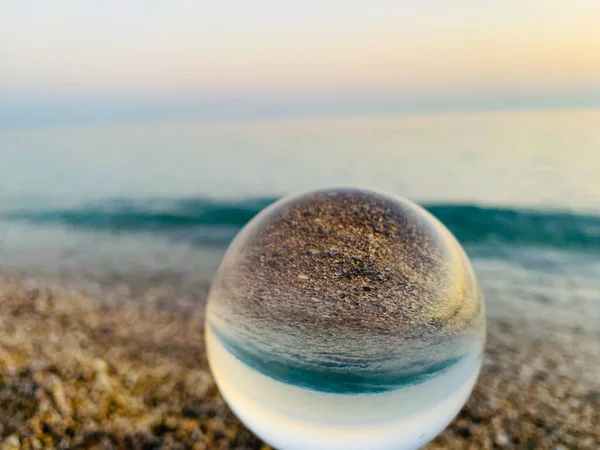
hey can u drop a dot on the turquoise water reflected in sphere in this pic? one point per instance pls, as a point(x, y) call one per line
point(344, 319)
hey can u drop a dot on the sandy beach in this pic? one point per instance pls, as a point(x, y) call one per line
point(112, 367)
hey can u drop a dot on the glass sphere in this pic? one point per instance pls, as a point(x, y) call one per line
point(345, 319)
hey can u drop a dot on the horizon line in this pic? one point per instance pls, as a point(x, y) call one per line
point(135, 113)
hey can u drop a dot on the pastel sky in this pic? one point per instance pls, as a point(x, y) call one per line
point(66, 56)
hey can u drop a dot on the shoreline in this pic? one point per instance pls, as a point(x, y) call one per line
point(127, 372)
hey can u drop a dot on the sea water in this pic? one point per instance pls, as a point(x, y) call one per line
point(292, 417)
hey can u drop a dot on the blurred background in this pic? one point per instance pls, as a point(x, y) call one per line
point(137, 138)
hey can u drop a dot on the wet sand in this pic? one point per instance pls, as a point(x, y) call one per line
point(116, 367)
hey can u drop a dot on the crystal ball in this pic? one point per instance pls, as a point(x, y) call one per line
point(345, 319)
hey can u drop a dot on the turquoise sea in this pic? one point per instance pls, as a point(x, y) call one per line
point(161, 201)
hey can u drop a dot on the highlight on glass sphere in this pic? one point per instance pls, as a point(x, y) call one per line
point(345, 319)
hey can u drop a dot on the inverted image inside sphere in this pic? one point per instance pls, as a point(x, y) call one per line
point(347, 291)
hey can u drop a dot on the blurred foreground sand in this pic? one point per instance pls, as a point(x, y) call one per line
point(114, 372)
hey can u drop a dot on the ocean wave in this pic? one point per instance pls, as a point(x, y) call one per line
point(189, 218)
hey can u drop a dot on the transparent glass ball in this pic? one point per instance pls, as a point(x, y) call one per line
point(345, 319)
